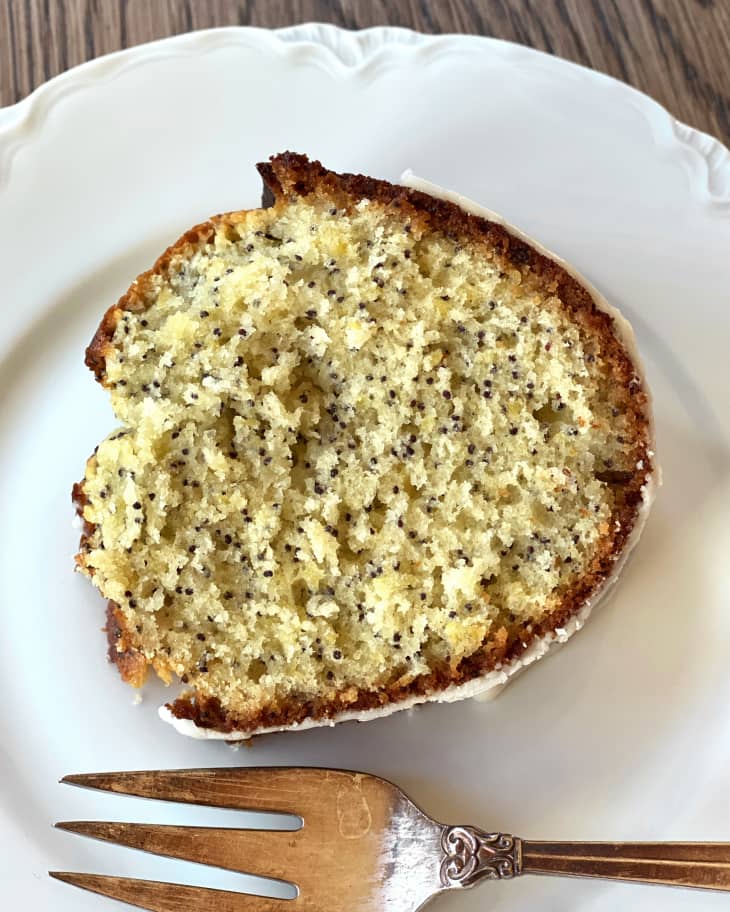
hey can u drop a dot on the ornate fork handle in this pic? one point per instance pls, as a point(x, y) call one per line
point(471, 855)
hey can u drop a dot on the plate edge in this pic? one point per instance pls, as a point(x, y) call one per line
point(351, 52)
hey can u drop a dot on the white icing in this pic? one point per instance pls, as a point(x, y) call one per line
point(491, 684)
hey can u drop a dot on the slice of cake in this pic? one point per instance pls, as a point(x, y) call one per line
point(374, 449)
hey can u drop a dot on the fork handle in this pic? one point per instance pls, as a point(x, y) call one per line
point(702, 865)
point(471, 855)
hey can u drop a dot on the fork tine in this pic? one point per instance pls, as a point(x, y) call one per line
point(267, 853)
point(168, 897)
point(277, 789)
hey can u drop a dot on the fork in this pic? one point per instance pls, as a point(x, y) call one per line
point(363, 845)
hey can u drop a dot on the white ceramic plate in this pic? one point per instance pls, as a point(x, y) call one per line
point(624, 733)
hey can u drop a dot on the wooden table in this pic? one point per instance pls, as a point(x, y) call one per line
point(675, 50)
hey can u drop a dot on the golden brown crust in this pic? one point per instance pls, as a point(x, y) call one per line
point(79, 500)
point(137, 296)
point(132, 664)
point(289, 175)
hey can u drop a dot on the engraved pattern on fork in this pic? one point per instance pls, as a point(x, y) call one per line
point(471, 855)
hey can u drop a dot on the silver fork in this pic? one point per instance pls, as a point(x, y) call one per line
point(364, 846)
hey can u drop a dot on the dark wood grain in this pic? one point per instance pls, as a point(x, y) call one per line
point(678, 51)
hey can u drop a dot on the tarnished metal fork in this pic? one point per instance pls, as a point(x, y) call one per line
point(364, 846)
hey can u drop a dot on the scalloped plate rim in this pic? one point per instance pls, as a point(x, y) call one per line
point(22, 121)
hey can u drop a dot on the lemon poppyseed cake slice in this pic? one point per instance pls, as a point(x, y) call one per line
point(374, 449)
